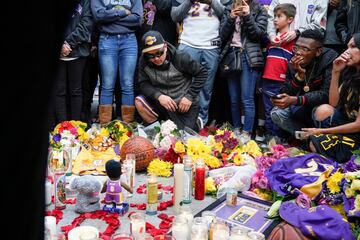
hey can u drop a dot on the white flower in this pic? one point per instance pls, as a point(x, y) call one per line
point(156, 140)
point(166, 142)
point(167, 127)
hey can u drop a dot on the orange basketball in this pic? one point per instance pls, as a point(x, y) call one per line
point(143, 150)
point(285, 231)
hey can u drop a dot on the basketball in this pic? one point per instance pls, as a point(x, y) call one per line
point(143, 150)
point(285, 231)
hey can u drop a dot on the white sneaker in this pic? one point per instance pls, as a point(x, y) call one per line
point(245, 137)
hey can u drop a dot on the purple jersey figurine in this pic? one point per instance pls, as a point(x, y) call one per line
point(113, 192)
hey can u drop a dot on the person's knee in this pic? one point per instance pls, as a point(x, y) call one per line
point(278, 115)
point(323, 111)
point(312, 147)
point(144, 110)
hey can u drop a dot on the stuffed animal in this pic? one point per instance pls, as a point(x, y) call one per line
point(88, 198)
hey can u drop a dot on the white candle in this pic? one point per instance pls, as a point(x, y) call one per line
point(178, 185)
point(180, 232)
point(137, 227)
point(50, 226)
point(221, 234)
point(48, 192)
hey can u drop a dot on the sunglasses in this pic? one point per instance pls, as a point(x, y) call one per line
point(155, 55)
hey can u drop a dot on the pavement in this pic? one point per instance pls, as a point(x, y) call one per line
point(69, 214)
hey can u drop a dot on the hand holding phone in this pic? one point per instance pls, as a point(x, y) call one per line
point(300, 135)
point(270, 94)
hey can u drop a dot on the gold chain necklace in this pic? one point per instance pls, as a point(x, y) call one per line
point(307, 87)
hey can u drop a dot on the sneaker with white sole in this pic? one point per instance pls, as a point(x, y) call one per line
point(260, 134)
point(245, 137)
point(199, 123)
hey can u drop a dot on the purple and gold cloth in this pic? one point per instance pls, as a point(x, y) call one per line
point(305, 173)
point(321, 222)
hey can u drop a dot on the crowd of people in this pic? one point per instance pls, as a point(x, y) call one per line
point(291, 67)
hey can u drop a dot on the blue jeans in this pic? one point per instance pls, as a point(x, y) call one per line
point(242, 91)
point(117, 53)
point(336, 119)
point(293, 118)
point(209, 59)
point(271, 86)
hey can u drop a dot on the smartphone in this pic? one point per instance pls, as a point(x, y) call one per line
point(270, 94)
point(238, 3)
point(300, 135)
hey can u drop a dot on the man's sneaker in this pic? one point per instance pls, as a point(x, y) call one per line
point(199, 123)
point(260, 134)
point(245, 137)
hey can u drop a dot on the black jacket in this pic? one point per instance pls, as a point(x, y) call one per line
point(78, 31)
point(347, 20)
point(319, 80)
point(162, 21)
point(152, 86)
point(253, 28)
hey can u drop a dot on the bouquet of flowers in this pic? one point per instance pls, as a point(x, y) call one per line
point(119, 131)
point(67, 133)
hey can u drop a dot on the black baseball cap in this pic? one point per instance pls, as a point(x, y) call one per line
point(152, 40)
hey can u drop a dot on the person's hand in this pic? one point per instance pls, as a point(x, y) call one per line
point(184, 105)
point(284, 100)
point(244, 9)
point(127, 12)
point(339, 63)
point(65, 50)
point(288, 36)
point(168, 103)
point(311, 131)
point(275, 40)
point(296, 61)
point(334, 3)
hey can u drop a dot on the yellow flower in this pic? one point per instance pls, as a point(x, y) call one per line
point(123, 139)
point(238, 159)
point(83, 136)
point(179, 147)
point(218, 146)
point(160, 168)
point(211, 161)
point(333, 182)
point(252, 149)
point(349, 192)
point(80, 131)
point(210, 185)
point(355, 185)
point(219, 132)
point(104, 132)
point(357, 202)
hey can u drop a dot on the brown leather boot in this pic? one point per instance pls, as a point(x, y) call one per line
point(127, 113)
point(105, 113)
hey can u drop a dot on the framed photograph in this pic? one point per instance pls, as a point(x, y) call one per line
point(249, 212)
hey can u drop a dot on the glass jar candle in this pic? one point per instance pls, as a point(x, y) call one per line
point(220, 231)
point(239, 233)
point(253, 235)
point(200, 180)
point(137, 225)
point(186, 211)
point(199, 230)
point(188, 177)
point(152, 195)
point(180, 228)
point(122, 236)
point(164, 237)
point(231, 197)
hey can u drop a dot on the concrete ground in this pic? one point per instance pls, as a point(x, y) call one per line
point(69, 214)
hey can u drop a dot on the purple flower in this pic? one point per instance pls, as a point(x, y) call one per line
point(57, 137)
point(351, 166)
point(263, 183)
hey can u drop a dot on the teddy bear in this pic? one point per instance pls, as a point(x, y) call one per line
point(88, 188)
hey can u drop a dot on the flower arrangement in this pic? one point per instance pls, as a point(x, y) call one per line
point(166, 135)
point(160, 168)
point(351, 190)
point(210, 187)
point(68, 133)
point(119, 131)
